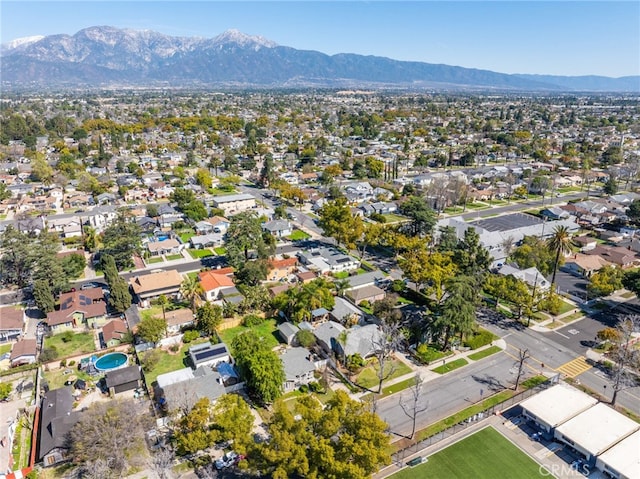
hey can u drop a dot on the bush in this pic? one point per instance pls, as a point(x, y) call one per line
point(304, 388)
point(305, 338)
point(354, 362)
point(63, 363)
point(71, 363)
point(174, 348)
point(365, 304)
point(315, 387)
point(67, 336)
point(190, 335)
point(397, 286)
point(479, 339)
point(427, 354)
point(48, 354)
point(150, 359)
point(252, 320)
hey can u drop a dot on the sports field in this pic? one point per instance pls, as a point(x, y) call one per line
point(483, 455)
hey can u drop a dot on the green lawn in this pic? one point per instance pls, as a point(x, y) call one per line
point(368, 377)
point(533, 382)
point(173, 257)
point(67, 344)
point(266, 330)
point(298, 235)
point(185, 237)
point(340, 275)
point(484, 353)
point(156, 259)
point(170, 362)
point(220, 250)
point(200, 253)
point(391, 218)
point(151, 312)
point(5, 348)
point(56, 378)
point(487, 454)
point(457, 363)
point(454, 210)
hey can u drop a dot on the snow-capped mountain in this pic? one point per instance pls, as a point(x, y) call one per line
point(108, 56)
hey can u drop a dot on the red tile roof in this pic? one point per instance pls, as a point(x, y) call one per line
point(214, 279)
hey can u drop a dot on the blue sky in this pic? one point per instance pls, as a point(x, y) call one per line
point(546, 37)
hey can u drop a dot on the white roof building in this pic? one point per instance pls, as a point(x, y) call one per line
point(596, 430)
point(556, 405)
point(622, 460)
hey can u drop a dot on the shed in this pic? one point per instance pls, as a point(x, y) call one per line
point(288, 332)
point(123, 379)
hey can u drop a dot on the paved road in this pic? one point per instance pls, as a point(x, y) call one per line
point(523, 206)
point(547, 349)
point(450, 393)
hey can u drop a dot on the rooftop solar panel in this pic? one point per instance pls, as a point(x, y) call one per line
point(210, 353)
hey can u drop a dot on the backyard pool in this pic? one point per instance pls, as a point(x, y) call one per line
point(111, 361)
point(162, 237)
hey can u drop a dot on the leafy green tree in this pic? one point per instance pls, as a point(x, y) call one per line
point(560, 244)
point(261, 367)
point(73, 265)
point(534, 252)
point(344, 439)
point(605, 281)
point(193, 433)
point(43, 296)
point(152, 329)
point(245, 235)
point(634, 211)
point(448, 239)
point(5, 390)
point(337, 221)
point(195, 210)
point(611, 185)
point(434, 269)
point(233, 419)
point(458, 312)
point(4, 192)
point(472, 258)
point(305, 338)
point(298, 302)
point(90, 239)
point(41, 171)
point(18, 259)
point(120, 297)
point(631, 281)
point(209, 318)
point(422, 216)
point(203, 178)
point(252, 273)
point(191, 290)
point(122, 240)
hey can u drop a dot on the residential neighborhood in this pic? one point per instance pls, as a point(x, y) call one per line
point(415, 260)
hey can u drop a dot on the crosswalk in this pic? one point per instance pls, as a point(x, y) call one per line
point(574, 367)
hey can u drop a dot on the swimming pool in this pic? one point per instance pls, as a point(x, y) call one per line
point(162, 238)
point(111, 361)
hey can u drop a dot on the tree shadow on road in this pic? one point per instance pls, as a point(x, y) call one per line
point(490, 382)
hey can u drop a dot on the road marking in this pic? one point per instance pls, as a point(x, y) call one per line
point(518, 359)
point(514, 370)
point(574, 367)
point(563, 335)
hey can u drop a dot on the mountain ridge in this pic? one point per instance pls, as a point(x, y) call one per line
point(101, 56)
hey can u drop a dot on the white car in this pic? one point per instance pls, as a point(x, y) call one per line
point(229, 459)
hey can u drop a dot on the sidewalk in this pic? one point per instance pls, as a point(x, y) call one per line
point(426, 371)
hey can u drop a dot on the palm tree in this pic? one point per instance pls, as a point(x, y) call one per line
point(192, 291)
point(560, 243)
point(340, 286)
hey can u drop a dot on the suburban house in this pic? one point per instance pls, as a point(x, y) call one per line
point(287, 332)
point(327, 260)
point(56, 420)
point(123, 379)
point(152, 285)
point(298, 368)
point(278, 228)
point(178, 319)
point(214, 281)
point(621, 257)
point(584, 264)
point(370, 293)
point(531, 276)
point(345, 313)
point(207, 240)
point(207, 354)
point(328, 334)
point(231, 204)
point(168, 246)
point(11, 323)
point(167, 215)
point(113, 332)
point(585, 243)
point(78, 308)
point(281, 268)
point(23, 352)
point(359, 339)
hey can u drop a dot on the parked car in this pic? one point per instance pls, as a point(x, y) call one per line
point(229, 459)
